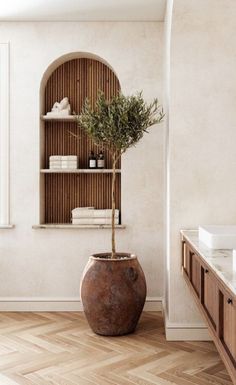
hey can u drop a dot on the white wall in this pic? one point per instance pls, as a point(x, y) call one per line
point(4, 135)
point(48, 263)
point(202, 132)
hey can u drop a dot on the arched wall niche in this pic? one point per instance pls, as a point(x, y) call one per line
point(63, 59)
point(77, 76)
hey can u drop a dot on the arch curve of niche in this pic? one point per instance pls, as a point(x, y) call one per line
point(77, 76)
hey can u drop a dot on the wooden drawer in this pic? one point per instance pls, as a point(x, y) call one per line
point(228, 324)
point(185, 258)
point(195, 273)
point(192, 267)
point(210, 295)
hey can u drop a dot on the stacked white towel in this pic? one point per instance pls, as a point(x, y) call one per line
point(92, 216)
point(63, 161)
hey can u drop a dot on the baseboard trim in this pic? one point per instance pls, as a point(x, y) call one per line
point(153, 304)
point(60, 304)
point(188, 334)
point(185, 331)
point(40, 304)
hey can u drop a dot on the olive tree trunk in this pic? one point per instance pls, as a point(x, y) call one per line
point(113, 240)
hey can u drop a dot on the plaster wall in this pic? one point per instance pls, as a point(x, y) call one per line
point(48, 264)
point(202, 133)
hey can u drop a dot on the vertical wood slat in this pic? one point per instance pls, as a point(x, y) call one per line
point(77, 79)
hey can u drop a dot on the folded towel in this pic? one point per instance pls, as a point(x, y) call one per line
point(84, 208)
point(58, 161)
point(63, 161)
point(55, 164)
point(93, 221)
point(63, 157)
point(63, 166)
point(69, 157)
point(93, 213)
point(69, 164)
point(54, 157)
point(52, 167)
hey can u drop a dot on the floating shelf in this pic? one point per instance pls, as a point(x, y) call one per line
point(61, 118)
point(78, 171)
point(70, 226)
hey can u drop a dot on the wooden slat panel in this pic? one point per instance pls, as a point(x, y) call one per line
point(77, 79)
point(67, 191)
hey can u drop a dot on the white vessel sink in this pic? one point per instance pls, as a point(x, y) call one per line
point(218, 237)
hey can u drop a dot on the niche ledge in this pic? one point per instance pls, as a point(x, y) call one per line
point(70, 226)
point(7, 226)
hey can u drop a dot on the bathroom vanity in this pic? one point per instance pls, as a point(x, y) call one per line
point(211, 278)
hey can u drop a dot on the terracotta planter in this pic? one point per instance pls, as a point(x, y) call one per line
point(113, 292)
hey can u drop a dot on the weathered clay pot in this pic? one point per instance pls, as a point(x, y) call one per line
point(113, 292)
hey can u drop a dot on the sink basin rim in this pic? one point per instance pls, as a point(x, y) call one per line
point(225, 230)
point(218, 236)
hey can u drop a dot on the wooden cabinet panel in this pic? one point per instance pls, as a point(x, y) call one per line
point(210, 295)
point(195, 269)
point(216, 303)
point(187, 259)
point(192, 267)
point(228, 326)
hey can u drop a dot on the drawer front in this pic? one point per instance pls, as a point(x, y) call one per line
point(195, 273)
point(186, 258)
point(191, 266)
point(228, 324)
point(210, 295)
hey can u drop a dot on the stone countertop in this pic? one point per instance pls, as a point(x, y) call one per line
point(221, 261)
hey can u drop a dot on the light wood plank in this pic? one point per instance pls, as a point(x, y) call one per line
point(59, 348)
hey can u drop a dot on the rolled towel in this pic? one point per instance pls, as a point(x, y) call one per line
point(93, 221)
point(93, 213)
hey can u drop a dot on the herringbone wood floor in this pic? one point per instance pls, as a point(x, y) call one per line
point(59, 348)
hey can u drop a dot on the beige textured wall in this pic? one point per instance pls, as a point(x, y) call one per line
point(202, 130)
point(49, 263)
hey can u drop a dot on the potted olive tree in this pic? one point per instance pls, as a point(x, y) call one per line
point(113, 287)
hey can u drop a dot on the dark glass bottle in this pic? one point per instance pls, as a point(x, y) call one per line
point(92, 160)
point(100, 160)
